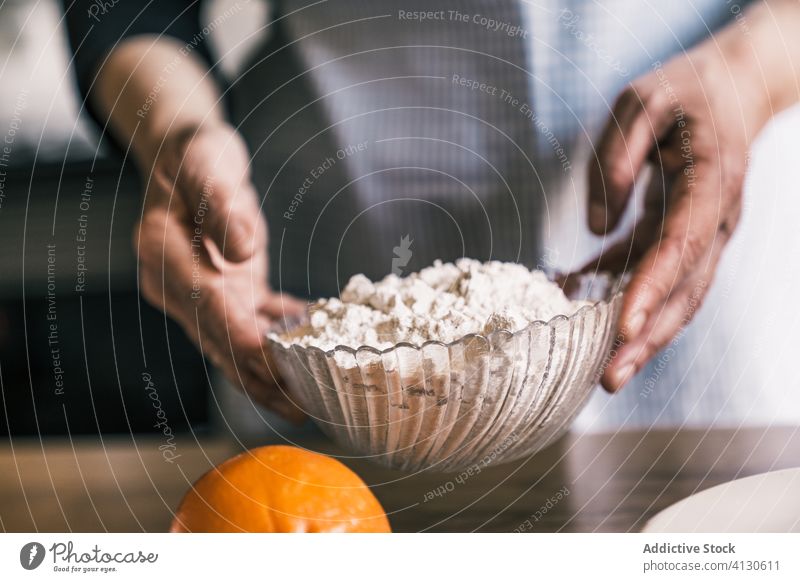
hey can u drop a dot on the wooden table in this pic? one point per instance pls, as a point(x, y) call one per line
point(608, 482)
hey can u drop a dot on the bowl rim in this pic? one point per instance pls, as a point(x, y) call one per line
point(615, 282)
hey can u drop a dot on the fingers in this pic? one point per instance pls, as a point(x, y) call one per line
point(267, 388)
point(229, 215)
point(259, 388)
point(640, 119)
point(268, 394)
point(679, 242)
point(232, 334)
point(677, 263)
point(222, 312)
point(621, 256)
point(279, 305)
point(170, 267)
point(625, 254)
point(675, 315)
point(210, 171)
point(691, 229)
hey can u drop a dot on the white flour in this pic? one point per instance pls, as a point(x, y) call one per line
point(443, 302)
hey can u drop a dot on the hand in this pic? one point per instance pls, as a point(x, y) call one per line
point(693, 121)
point(202, 248)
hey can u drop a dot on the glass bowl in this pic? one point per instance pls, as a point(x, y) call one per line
point(476, 401)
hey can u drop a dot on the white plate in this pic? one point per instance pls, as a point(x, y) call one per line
point(769, 502)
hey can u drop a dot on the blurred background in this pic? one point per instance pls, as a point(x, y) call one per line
point(80, 353)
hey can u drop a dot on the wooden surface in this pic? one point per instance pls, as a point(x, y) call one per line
point(593, 483)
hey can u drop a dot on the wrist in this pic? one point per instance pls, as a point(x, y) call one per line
point(750, 89)
point(763, 51)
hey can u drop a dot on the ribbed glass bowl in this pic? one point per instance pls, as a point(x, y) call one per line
point(476, 401)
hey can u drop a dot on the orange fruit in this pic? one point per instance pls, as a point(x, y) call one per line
point(280, 489)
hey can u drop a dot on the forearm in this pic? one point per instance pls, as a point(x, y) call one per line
point(764, 42)
point(150, 88)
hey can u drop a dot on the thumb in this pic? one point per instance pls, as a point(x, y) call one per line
point(638, 121)
point(229, 216)
point(211, 173)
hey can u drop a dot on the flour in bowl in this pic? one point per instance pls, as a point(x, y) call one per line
point(442, 302)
